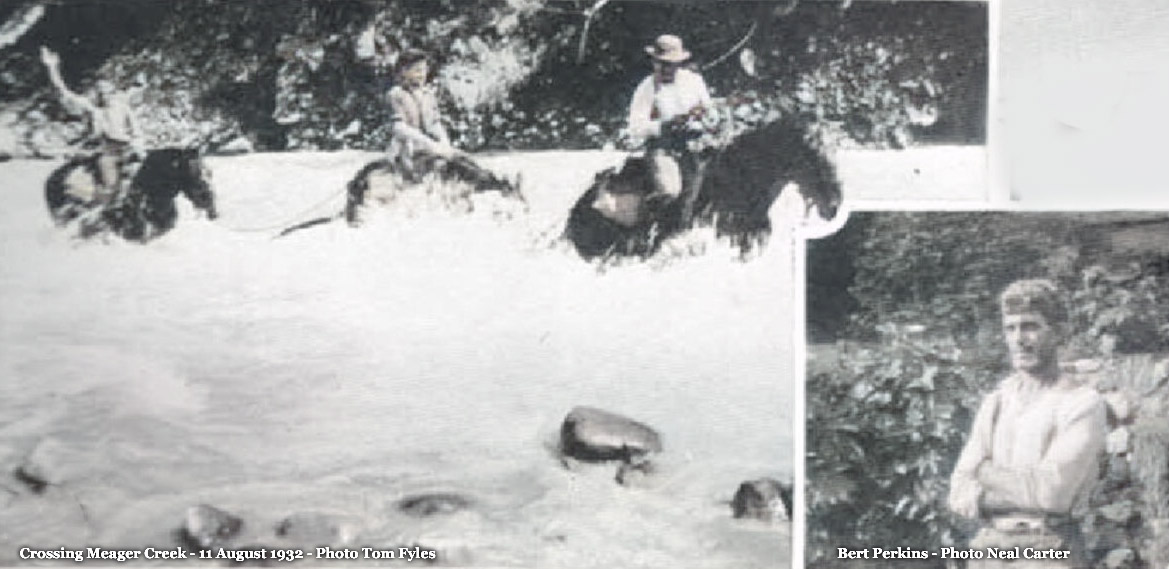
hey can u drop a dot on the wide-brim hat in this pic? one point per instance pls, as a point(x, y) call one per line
point(668, 48)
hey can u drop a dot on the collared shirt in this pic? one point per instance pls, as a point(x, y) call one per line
point(1044, 443)
point(418, 108)
point(655, 103)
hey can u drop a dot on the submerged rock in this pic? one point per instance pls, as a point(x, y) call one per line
point(439, 503)
point(316, 528)
point(635, 474)
point(763, 499)
point(207, 526)
point(591, 434)
point(45, 466)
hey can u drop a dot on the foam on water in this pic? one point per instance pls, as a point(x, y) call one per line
point(342, 368)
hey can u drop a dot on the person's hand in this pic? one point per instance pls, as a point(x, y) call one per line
point(49, 58)
point(445, 151)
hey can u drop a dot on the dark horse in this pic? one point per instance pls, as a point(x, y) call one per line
point(385, 175)
point(617, 216)
point(147, 207)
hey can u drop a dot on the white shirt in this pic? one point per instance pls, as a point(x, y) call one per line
point(654, 103)
point(1043, 441)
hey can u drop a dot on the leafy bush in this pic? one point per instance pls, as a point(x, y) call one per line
point(311, 74)
point(884, 424)
point(887, 418)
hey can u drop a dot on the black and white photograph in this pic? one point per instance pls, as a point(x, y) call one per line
point(469, 283)
point(989, 389)
point(494, 283)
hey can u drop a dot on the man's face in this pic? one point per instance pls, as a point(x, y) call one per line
point(1031, 341)
point(105, 89)
point(416, 73)
point(665, 71)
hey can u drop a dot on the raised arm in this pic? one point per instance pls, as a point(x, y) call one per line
point(1054, 483)
point(73, 102)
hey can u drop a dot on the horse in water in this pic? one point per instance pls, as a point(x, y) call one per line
point(384, 179)
point(459, 172)
point(145, 210)
point(619, 215)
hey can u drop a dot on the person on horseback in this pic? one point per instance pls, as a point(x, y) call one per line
point(416, 121)
point(112, 126)
point(664, 113)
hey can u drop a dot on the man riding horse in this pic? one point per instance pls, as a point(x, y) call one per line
point(664, 112)
point(111, 125)
point(415, 116)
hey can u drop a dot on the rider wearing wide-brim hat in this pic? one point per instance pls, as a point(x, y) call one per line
point(671, 94)
point(663, 106)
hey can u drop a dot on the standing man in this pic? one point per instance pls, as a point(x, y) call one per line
point(417, 123)
point(111, 124)
point(661, 112)
point(1034, 448)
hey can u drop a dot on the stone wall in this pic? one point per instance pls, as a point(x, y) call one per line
point(1127, 523)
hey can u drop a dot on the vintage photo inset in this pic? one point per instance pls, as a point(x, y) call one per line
point(491, 283)
point(989, 389)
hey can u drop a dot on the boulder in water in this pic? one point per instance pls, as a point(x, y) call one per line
point(432, 504)
point(591, 434)
point(763, 499)
point(316, 528)
point(47, 465)
point(208, 526)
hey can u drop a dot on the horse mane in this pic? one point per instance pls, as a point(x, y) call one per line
point(780, 150)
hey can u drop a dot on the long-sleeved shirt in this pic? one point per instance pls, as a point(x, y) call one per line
point(416, 116)
point(114, 120)
point(656, 103)
point(1032, 448)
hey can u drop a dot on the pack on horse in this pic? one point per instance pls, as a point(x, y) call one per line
point(145, 209)
point(622, 215)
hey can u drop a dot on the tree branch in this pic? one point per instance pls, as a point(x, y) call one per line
point(19, 23)
point(738, 45)
point(584, 34)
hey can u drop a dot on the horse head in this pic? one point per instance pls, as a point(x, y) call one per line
point(825, 196)
point(182, 170)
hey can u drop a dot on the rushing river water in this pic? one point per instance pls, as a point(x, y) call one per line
point(338, 370)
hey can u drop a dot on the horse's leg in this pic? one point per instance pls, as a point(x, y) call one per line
point(356, 199)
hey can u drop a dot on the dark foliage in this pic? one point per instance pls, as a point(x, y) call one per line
point(889, 404)
point(311, 73)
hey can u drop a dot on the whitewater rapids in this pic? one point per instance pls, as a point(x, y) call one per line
point(338, 370)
